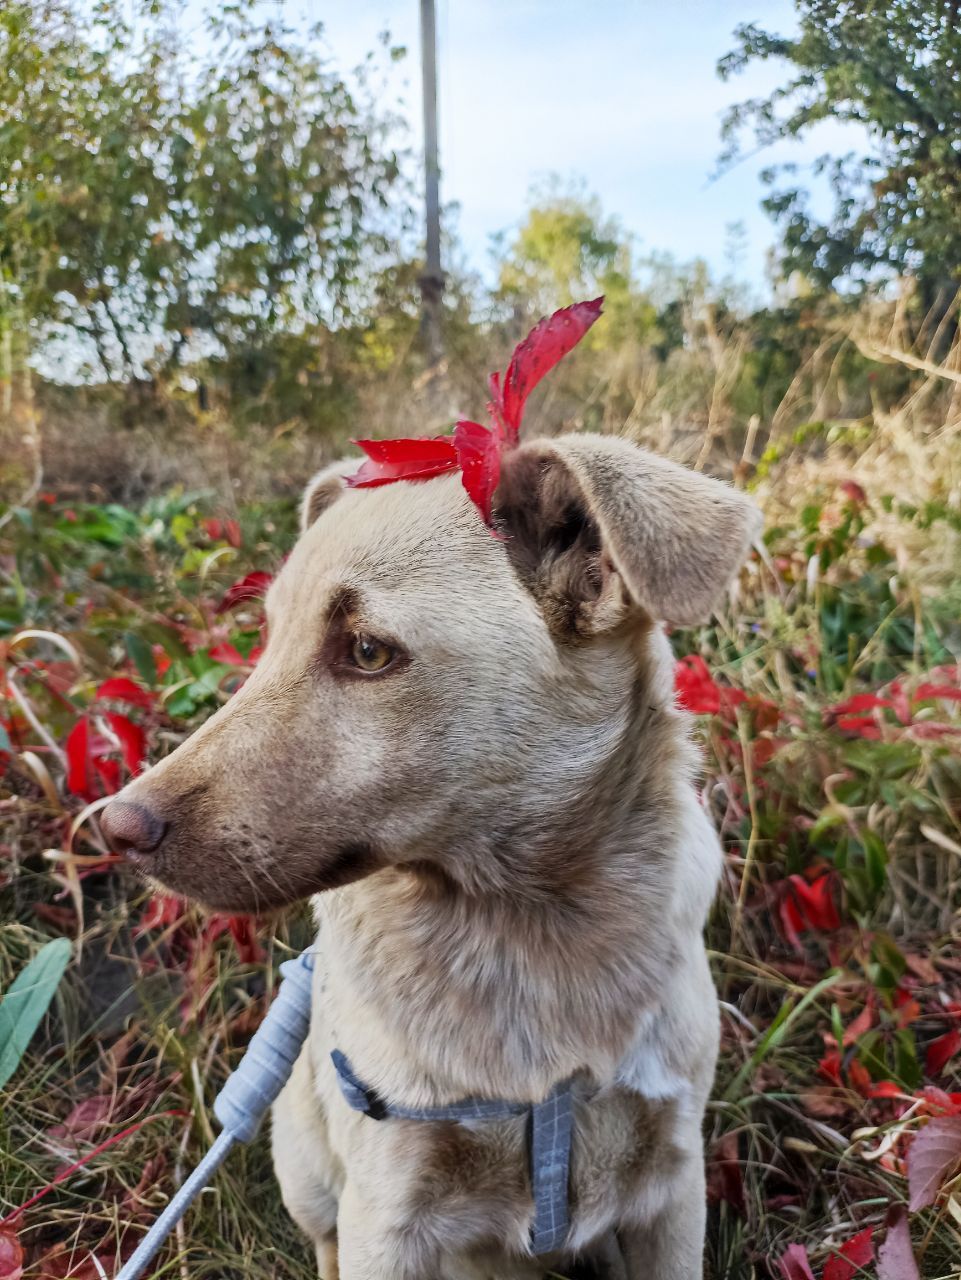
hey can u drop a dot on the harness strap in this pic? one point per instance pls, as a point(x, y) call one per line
point(550, 1148)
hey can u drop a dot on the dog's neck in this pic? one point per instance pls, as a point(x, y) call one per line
point(448, 979)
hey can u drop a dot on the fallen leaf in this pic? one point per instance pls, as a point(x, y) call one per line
point(896, 1257)
point(11, 1255)
point(934, 1153)
point(941, 1051)
point(854, 1253)
point(793, 1263)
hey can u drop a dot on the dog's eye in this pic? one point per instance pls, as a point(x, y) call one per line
point(369, 654)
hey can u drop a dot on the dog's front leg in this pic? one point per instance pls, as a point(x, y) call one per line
point(372, 1245)
point(671, 1246)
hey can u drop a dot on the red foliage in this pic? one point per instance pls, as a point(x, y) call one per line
point(473, 448)
point(934, 1155)
point(227, 653)
point(808, 905)
point(390, 460)
point(793, 1263)
point(854, 1253)
point(11, 1256)
point(479, 456)
point(252, 587)
point(941, 1051)
point(125, 690)
point(694, 686)
point(545, 346)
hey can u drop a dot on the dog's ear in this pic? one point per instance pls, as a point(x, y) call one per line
point(325, 488)
point(595, 524)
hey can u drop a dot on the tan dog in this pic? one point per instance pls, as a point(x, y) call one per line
point(469, 744)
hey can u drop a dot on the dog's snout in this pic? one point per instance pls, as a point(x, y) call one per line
point(132, 828)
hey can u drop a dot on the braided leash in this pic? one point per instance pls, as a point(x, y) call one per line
point(242, 1102)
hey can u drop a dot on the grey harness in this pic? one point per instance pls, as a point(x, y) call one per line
point(550, 1141)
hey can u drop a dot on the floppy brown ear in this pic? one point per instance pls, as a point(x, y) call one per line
point(592, 519)
point(325, 488)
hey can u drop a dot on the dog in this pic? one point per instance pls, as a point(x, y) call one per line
point(465, 747)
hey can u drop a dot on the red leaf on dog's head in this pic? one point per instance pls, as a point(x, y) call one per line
point(133, 742)
point(124, 690)
point(479, 455)
point(853, 1254)
point(390, 460)
point(548, 342)
point(252, 587)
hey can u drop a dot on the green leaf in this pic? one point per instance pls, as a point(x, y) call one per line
point(141, 656)
point(27, 1001)
point(5, 743)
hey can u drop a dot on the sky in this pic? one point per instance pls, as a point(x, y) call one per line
point(620, 95)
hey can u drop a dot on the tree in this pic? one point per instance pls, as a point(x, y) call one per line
point(567, 250)
point(158, 204)
point(893, 66)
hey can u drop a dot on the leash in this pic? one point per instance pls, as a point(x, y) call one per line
point(264, 1070)
point(240, 1106)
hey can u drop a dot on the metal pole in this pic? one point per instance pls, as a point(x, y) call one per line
point(432, 280)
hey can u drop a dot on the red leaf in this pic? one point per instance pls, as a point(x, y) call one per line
point(133, 741)
point(243, 932)
point(547, 343)
point(162, 912)
point(933, 1154)
point(926, 692)
point(854, 493)
point(856, 1252)
point(793, 1263)
point(725, 1180)
point(85, 1119)
point(225, 652)
point(79, 770)
point(390, 460)
point(124, 690)
point(860, 702)
point(862, 726)
point(109, 773)
point(830, 1067)
point(252, 587)
point(694, 687)
point(896, 1257)
point(478, 453)
point(814, 902)
point(941, 1051)
point(232, 533)
point(884, 1089)
point(11, 1256)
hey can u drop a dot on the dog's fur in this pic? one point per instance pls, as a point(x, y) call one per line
point(515, 867)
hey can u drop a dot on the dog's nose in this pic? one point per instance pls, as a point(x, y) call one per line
point(132, 828)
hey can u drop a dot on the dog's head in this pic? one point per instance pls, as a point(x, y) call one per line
point(430, 693)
